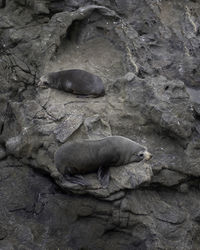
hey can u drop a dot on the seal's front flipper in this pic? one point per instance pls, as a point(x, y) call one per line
point(76, 179)
point(103, 176)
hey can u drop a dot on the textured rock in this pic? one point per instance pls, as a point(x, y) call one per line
point(169, 178)
point(165, 102)
point(147, 53)
point(192, 157)
point(65, 129)
point(130, 176)
point(2, 152)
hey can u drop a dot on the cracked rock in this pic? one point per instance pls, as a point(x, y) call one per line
point(147, 53)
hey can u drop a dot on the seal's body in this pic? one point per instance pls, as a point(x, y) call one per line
point(82, 157)
point(74, 81)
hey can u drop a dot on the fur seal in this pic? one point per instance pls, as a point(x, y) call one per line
point(87, 156)
point(74, 81)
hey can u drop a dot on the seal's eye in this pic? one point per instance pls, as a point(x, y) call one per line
point(141, 154)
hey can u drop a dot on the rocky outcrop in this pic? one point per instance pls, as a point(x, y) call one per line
point(146, 53)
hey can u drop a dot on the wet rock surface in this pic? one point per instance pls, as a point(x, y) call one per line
point(147, 54)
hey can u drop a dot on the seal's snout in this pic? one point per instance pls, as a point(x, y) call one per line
point(42, 84)
point(39, 83)
point(147, 155)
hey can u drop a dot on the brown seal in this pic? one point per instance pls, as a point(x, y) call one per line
point(88, 156)
point(74, 81)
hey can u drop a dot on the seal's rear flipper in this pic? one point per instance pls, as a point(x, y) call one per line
point(103, 176)
point(77, 179)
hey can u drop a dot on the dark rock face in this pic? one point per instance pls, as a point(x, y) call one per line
point(147, 53)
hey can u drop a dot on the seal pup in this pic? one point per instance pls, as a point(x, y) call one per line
point(75, 81)
point(88, 156)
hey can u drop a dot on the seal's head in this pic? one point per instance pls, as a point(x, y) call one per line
point(141, 154)
point(129, 151)
point(145, 155)
point(44, 81)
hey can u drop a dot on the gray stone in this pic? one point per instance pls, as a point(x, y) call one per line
point(184, 188)
point(68, 127)
point(2, 3)
point(192, 157)
point(96, 127)
point(2, 152)
point(130, 176)
point(149, 62)
point(169, 178)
